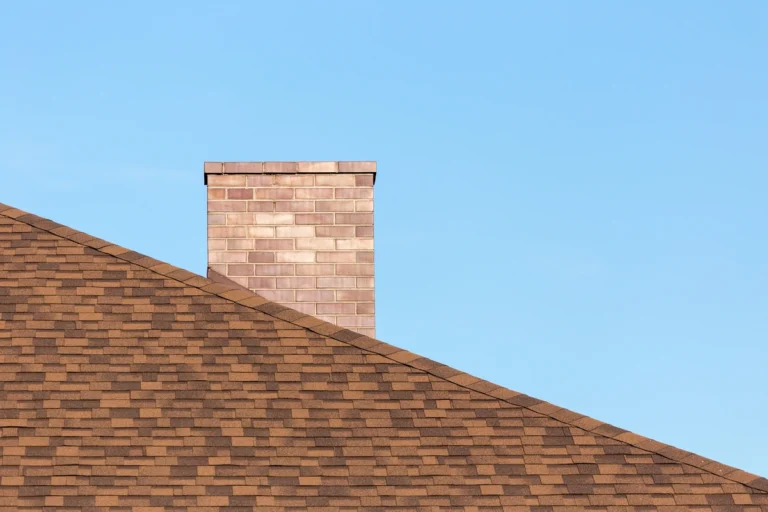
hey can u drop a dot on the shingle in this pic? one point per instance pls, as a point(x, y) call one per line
point(153, 388)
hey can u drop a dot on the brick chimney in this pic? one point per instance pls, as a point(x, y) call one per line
point(297, 233)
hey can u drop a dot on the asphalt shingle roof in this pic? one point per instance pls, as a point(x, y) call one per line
point(129, 384)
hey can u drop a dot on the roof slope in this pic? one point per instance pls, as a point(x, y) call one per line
point(127, 383)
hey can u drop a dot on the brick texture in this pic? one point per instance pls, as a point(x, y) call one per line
point(129, 384)
point(284, 229)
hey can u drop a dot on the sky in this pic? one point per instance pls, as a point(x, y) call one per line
point(571, 198)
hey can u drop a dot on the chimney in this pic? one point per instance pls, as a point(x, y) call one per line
point(297, 233)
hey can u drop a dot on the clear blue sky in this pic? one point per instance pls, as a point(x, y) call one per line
point(571, 199)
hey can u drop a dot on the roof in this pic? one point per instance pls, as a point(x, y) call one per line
point(130, 383)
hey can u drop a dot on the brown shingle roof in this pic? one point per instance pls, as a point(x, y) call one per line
point(128, 383)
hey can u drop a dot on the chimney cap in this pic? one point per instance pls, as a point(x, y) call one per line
point(340, 167)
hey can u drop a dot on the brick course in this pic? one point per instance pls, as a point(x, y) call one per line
point(299, 233)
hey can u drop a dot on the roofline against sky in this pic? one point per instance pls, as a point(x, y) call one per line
point(238, 295)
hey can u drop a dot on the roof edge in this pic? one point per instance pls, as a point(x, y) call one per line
point(222, 279)
point(237, 294)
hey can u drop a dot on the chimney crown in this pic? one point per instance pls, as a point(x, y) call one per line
point(315, 167)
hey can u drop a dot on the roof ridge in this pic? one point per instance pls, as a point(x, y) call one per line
point(239, 295)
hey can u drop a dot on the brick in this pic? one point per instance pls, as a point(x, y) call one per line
point(364, 282)
point(228, 257)
point(364, 205)
point(240, 269)
point(355, 244)
point(354, 295)
point(364, 180)
point(364, 231)
point(314, 269)
point(364, 257)
point(242, 167)
point(261, 206)
point(281, 167)
point(353, 193)
point(293, 180)
point(213, 167)
point(273, 218)
point(354, 218)
point(262, 283)
point(274, 193)
point(274, 270)
point(296, 256)
point(294, 206)
point(217, 219)
point(273, 244)
point(336, 257)
point(238, 244)
point(261, 257)
point(296, 282)
point(281, 296)
point(315, 295)
point(335, 231)
point(336, 180)
point(217, 244)
point(365, 308)
point(315, 243)
point(225, 180)
point(296, 232)
point(360, 167)
point(318, 167)
point(355, 321)
point(226, 232)
point(335, 206)
point(217, 194)
point(226, 206)
point(337, 283)
point(261, 180)
point(314, 193)
point(343, 269)
point(336, 308)
point(257, 232)
point(240, 219)
point(239, 193)
point(314, 218)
